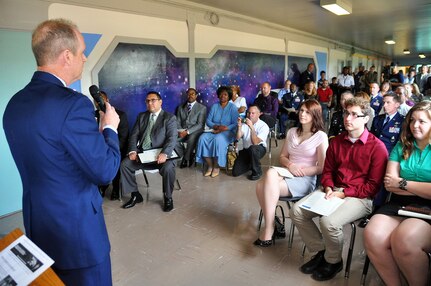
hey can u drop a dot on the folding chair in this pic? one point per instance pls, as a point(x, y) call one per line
point(137, 172)
point(289, 201)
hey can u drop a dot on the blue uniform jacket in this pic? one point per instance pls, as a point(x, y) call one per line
point(389, 134)
point(376, 103)
point(61, 157)
point(291, 100)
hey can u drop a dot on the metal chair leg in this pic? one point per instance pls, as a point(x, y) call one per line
point(146, 179)
point(365, 270)
point(260, 220)
point(350, 254)
point(429, 268)
point(291, 233)
point(269, 144)
point(292, 228)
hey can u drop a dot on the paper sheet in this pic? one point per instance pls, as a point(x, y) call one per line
point(284, 172)
point(318, 204)
point(22, 262)
point(150, 156)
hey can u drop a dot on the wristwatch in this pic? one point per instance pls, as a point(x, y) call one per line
point(337, 189)
point(403, 185)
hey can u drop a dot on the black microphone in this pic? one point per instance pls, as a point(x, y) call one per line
point(94, 91)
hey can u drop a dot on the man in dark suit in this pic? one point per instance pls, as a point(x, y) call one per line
point(191, 118)
point(123, 136)
point(267, 101)
point(62, 156)
point(154, 128)
point(306, 76)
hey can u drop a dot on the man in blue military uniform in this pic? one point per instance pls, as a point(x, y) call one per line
point(376, 101)
point(387, 127)
point(288, 109)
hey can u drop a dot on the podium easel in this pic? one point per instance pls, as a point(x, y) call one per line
point(48, 277)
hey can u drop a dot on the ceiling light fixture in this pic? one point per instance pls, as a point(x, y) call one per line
point(390, 42)
point(422, 56)
point(406, 52)
point(338, 7)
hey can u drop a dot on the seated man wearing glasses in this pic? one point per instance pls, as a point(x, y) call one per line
point(354, 168)
point(154, 128)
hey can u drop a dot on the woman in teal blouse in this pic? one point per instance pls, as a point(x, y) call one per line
point(400, 244)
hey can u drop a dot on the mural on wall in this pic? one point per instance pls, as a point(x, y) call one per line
point(296, 66)
point(245, 69)
point(134, 69)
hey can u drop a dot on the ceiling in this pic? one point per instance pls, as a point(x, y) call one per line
point(408, 22)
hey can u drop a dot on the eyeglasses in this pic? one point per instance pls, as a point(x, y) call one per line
point(153, 100)
point(354, 115)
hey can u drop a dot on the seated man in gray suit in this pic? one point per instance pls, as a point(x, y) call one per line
point(154, 128)
point(191, 118)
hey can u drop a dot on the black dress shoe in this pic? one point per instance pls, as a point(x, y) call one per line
point(254, 177)
point(264, 243)
point(191, 162)
point(115, 195)
point(135, 199)
point(183, 164)
point(168, 205)
point(314, 263)
point(327, 271)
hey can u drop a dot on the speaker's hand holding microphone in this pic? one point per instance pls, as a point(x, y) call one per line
point(108, 116)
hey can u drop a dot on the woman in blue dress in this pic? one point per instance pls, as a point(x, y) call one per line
point(212, 146)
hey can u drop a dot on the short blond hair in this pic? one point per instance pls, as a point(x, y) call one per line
point(52, 37)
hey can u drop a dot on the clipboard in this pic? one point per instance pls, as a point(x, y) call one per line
point(150, 155)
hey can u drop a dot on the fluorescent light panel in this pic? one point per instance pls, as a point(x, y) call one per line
point(406, 52)
point(390, 42)
point(422, 56)
point(338, 7)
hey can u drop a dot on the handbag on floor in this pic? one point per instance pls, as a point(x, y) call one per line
point(231, 157)
point(279, 228)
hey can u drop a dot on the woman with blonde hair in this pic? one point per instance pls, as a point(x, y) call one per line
point(238, 100)
point(310, 91)
point(416, 93)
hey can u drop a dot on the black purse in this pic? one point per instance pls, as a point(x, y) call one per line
point(279, 228)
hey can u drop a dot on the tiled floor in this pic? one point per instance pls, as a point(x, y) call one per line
point(206, 240)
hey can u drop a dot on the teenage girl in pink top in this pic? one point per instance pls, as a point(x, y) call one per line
point(303, 154)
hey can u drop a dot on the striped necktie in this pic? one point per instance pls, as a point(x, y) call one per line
point(146, 144)
point(189, 107)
